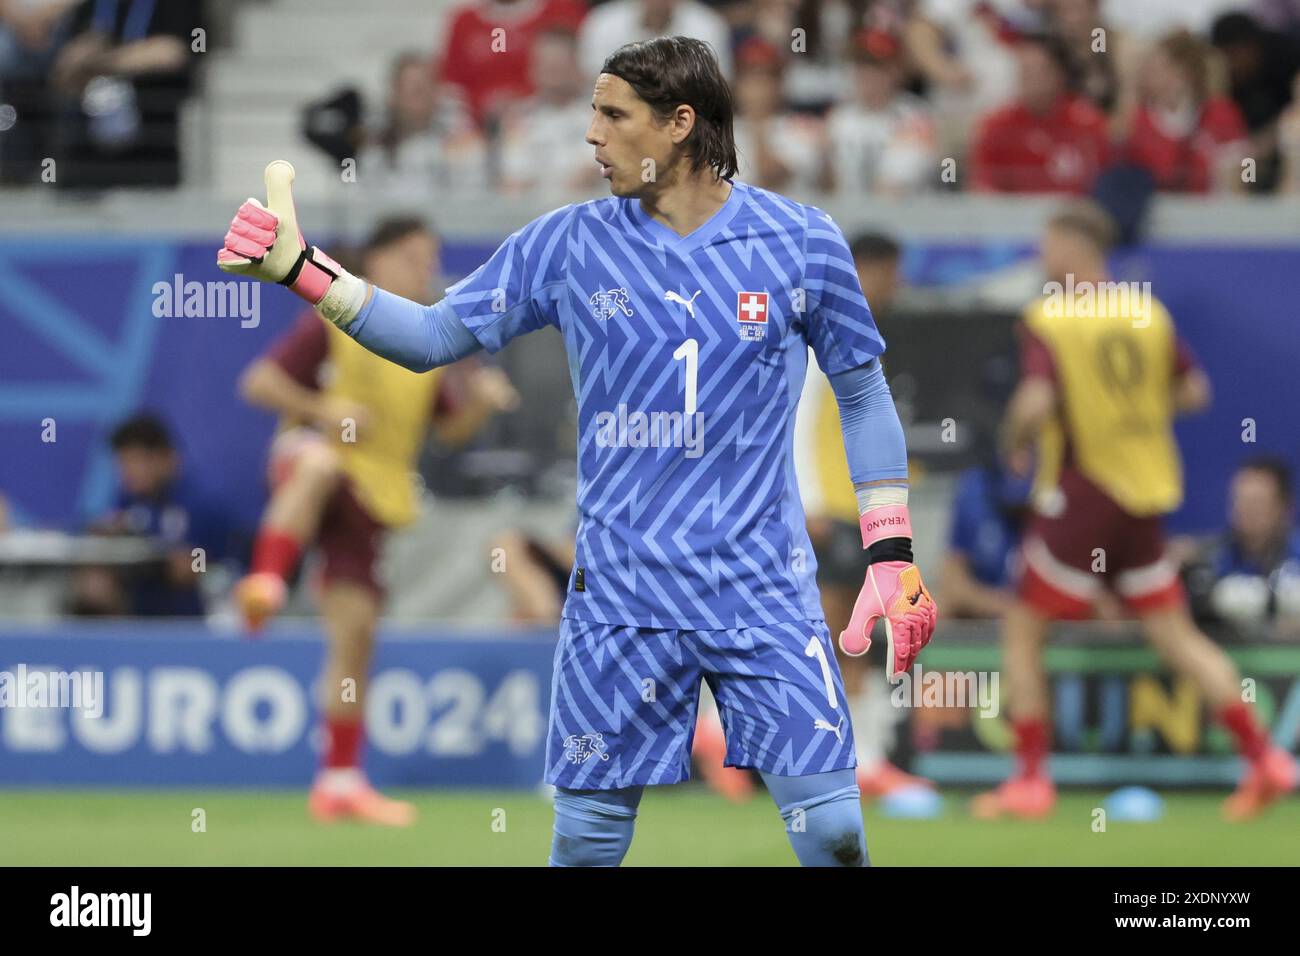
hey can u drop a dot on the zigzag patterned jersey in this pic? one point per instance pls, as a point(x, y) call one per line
point(687, 355)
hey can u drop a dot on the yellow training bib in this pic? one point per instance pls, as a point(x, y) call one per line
point(1114, 355)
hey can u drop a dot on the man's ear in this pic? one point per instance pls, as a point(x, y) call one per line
point(683, 122)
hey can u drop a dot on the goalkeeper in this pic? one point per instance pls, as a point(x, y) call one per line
point(687, 302)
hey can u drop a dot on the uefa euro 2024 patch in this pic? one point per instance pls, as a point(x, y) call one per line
point(751, 315)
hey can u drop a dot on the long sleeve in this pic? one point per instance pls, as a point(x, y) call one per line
point(415, 336)
point(873, 435)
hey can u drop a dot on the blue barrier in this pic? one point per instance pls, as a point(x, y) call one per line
point(183, 706)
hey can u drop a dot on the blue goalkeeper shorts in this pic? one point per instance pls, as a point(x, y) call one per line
point(624, 702)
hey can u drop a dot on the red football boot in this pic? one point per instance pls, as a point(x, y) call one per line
point(1272, 776)
point(884, 778)
point(1029, 798)
point(359, 801)
point(259, 597)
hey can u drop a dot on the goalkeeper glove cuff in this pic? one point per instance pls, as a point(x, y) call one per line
point(886, 529)
point(337, 294)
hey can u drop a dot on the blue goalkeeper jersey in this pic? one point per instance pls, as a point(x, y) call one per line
point(687, 356)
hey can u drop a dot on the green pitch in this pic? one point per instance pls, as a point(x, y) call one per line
point(682, 826)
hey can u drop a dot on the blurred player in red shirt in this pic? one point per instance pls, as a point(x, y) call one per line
point(1101, 382)
point(1047, 140)
point(352, 426)
point(488, 47)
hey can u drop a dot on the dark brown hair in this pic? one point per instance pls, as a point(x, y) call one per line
point(142, 430)
point(667, 72)
point(394, 230)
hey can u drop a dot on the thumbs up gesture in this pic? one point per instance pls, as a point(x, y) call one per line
point(264, 243)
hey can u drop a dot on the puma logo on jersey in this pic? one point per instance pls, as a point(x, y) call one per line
point(689, 303)
point(819, 724)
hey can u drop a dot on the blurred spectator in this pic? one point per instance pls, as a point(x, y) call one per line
point(427, 140)
point(876, 260)
point(1261, 65)
point(488, 46)
point(880, 140)
point(1261, 68)
point(155, 500)
point(963, 49)
point(543, 143)
point(122, 79)
point(1288, 142)
point(1251, 573)
point(613, 24)
point(1104, 59)
point(1048, 139)
point(769, 20)
point(778, 149)
point(814, 59)
point(989, 510)
point(4, 514)
point(1186, 136)
point(31, 32)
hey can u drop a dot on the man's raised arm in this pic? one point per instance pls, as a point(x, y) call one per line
point(265, 243)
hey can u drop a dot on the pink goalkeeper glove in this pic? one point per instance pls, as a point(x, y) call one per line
point(264, 243)
point(892, 590)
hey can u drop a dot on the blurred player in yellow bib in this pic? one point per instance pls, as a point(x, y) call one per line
point(341, 468)
point(1103, 373)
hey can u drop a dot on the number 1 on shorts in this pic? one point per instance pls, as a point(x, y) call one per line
point(815, 649)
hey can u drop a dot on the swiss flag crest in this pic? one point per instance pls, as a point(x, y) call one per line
point(751, 307)
point(751, 316)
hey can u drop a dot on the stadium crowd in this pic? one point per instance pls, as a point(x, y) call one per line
point(889, 97)
point(878, 97)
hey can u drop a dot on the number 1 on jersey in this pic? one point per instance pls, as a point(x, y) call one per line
point(690, 350)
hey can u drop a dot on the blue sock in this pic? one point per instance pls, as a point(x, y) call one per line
point(823, 817)
point(593, 827)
